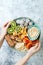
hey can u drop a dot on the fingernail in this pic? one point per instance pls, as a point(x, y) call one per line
point(6, 24)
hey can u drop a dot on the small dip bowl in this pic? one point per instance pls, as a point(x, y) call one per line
point(34, 32)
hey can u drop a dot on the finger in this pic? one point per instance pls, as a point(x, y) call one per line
point(36, 45)
point(38, 48)
point(7, 25)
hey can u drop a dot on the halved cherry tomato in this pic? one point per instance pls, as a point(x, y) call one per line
point(26, 40)
point(29, 45)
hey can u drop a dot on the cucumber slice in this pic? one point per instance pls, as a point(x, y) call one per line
point(18, 29)
point(13, 24)
point(10, 30)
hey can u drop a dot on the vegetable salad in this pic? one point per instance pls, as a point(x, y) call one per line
point(20, 35)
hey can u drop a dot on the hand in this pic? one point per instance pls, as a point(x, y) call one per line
point(34, 49)
point(4, 30)
point(29, 54)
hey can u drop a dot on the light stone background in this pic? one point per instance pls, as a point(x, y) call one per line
point(11, 9)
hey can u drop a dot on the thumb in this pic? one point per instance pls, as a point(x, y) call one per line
point(7, 25)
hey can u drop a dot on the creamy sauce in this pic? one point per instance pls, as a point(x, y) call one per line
point(33, 32)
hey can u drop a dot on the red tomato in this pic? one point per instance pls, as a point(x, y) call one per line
point(26, 40)
point(29, 45)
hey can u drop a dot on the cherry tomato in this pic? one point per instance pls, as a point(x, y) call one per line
point(29, 45)
point(26, 40)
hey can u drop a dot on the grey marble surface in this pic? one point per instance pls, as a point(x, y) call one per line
point(11, 9)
